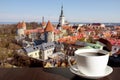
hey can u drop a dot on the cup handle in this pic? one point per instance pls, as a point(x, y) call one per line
point(71, 66)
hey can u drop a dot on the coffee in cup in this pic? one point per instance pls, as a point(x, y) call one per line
point(91, 62)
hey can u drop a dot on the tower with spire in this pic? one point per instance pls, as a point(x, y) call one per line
point(49, 32)
point(21, 27)
point(43, 23)
point(61, 19)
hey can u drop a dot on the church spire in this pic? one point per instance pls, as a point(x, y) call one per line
point(43, 19)
point(43, 23)
point(62, 11)
point(61, 20)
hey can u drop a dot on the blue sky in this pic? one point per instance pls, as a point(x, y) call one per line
point(74, 10)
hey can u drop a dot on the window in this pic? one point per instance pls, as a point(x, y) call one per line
point(50, 51)
point(31, 55)
point(36, 54)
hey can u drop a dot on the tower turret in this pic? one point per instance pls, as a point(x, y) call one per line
point(49, 32)
point(21, 27)
point(43, 23)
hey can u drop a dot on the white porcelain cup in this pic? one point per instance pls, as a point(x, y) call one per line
point(91, 62)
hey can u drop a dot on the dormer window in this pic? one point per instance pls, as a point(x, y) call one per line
point(37, 47)
point(36, 54)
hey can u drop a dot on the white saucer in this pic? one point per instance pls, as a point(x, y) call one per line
point(107, 72)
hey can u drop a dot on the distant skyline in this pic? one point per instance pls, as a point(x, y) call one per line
point(74, 10)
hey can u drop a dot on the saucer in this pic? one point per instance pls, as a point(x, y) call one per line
point(107, 72)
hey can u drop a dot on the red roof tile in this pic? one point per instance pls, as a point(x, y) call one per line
point(56, 31)
point(65, 27)
point(21, 25)
point(49, 27)
point(34, 31)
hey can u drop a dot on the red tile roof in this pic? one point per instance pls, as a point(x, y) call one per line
point(70, 39)
point(21, 25)
point(56, 31)
point(65, 27)
point(34, 31)
point(114, 41)
point(49, 27)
